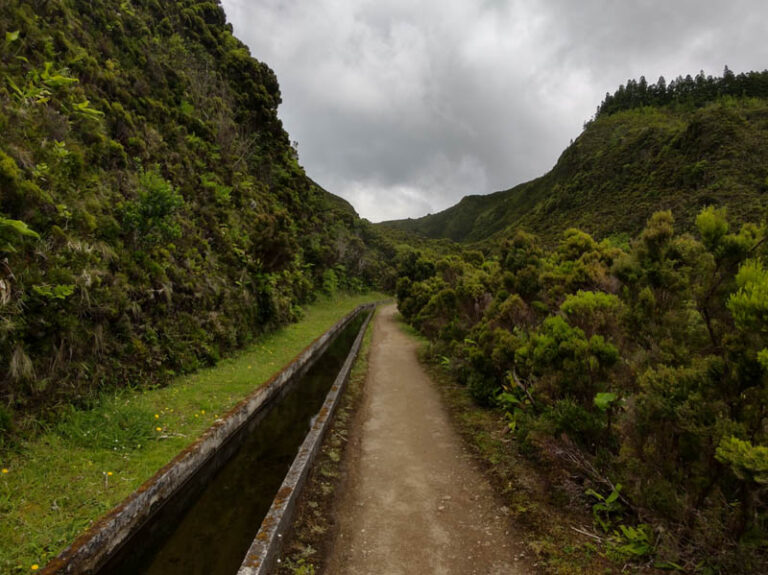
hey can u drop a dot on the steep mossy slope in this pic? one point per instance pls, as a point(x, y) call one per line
point(152, 211)
point(624, 167)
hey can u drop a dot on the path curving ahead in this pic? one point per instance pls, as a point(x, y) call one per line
point(415, 503)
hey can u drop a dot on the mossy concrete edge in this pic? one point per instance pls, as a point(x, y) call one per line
point(267, 544)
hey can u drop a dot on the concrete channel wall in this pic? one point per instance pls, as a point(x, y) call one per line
point(266, 547)
point(94, 548)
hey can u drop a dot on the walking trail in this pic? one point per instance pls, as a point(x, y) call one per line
point(414, 501)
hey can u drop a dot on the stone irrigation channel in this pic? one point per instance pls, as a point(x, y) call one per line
point(200, 513)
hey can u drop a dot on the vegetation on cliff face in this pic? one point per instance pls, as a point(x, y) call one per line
point(152, 211)
point(681, 154)
point(642, 366)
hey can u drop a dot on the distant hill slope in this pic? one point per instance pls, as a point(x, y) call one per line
point(153, 214)
point(622, 168)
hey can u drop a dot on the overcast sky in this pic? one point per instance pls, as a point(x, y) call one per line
point(404, 106)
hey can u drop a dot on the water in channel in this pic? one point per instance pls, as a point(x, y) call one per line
point(208, 527)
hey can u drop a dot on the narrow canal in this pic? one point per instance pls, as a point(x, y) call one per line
point(208, 527)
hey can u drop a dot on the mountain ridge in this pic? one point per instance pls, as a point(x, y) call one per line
point(677, 156)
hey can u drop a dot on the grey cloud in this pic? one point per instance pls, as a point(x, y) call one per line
point(404, 107)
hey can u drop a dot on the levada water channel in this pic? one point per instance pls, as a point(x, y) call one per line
point(207, 527)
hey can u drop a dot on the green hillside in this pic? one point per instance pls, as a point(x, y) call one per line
point(625, 166)
point(153, 214)
point(624, 342)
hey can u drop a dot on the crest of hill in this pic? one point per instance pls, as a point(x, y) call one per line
point(629, 162)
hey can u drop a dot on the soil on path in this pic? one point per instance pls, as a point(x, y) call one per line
point(415, 503)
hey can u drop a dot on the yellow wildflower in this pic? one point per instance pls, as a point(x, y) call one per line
point(35, 567)
point(158, 428)
point(5, 470)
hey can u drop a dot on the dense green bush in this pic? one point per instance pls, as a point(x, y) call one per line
point(647, 365)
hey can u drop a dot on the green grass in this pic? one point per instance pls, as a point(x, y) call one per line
point(56, 485)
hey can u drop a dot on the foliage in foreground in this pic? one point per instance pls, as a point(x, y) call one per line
point(641, 366)
point(153, 215)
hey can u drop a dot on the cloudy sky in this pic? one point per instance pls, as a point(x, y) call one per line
point(404, 106)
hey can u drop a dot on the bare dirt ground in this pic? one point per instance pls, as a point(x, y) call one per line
point(415, 502)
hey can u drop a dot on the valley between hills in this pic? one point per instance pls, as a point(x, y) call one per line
point(603, 327)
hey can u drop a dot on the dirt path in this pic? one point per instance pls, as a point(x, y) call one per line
point(415, 503)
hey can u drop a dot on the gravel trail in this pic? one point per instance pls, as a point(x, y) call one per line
point(415, 502)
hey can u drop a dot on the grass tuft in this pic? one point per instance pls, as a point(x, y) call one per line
point(117, 424)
